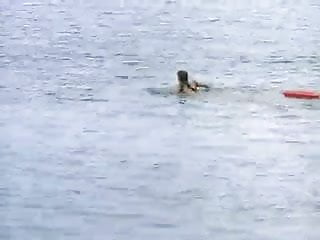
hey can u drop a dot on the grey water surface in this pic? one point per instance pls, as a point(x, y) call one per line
point(94, 146)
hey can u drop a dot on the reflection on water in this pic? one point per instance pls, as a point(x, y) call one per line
point(95, 145)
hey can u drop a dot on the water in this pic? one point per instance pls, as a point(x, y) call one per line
point(92, 145)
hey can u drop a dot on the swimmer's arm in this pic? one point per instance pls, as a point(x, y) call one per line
point(201, 85)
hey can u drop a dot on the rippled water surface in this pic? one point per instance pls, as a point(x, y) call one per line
point(92, 146)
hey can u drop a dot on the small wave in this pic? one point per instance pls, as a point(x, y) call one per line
point(118, 12)
point(132, 62)
point(122, 77)
point(93, 100)
point(213, 19)
point(32, 4)
point(89, 99)
point(282, 61)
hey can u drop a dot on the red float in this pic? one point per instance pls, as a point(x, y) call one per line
point(301, 94)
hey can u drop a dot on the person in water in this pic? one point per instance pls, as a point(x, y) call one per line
point(189, 87)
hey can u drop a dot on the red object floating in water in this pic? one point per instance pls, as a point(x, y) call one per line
point(302, 94)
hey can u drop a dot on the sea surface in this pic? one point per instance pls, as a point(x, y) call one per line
point(94, 145)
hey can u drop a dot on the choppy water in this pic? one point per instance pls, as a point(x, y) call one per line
point(89, 150)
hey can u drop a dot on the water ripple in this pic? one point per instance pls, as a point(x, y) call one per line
point(95, 143)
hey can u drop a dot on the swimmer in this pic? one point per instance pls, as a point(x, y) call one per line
point(186, 87)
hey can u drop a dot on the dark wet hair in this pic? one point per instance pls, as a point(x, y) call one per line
point(183, 76)
point(184, 80)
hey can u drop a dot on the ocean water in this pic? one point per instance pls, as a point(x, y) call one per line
point(94, 146)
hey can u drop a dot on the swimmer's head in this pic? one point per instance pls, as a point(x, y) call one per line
point(182, 77)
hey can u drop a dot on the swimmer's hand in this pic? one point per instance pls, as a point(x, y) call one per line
point(196, 86)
